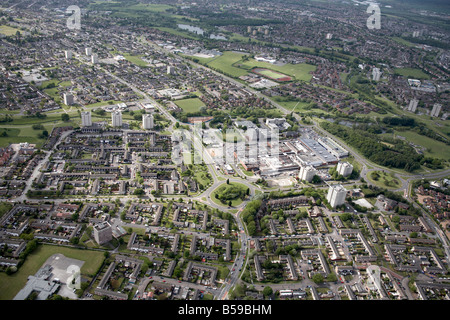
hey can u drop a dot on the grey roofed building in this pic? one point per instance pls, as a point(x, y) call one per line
point(39, 283)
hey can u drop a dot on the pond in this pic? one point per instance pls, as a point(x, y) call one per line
point(199, 31)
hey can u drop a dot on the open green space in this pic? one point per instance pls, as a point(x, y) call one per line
point(224, 63)
point(237, 64)
point(296, 105)
point(300, 71)
point(135, 60)
point(4, 208)
point(22, 134)
point(433, 148)
point(273, 75)
point(234, 192)
point(201, 175)
point(129, 9)
point(411, 73)
point(403, 41)
point(383, 180)
point(153, 7)
point(11, 285)
point(8, 31)
point(190, 105)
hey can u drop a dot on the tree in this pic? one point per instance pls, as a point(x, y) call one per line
point(413, 235)
point(267, 291)
point(317, 278)
point(65, 117)
point(331, 277)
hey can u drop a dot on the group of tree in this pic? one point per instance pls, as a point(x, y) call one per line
point(249, 215)
point(395, 154)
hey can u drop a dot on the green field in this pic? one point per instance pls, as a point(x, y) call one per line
point(299, 71)
point(201, 175)
point(120, 8)
point(8, 31)
point(135, 60)
point(190, 105)
point(411, 73)
point(403, 41)
point(224, 63)
point(273, 75)
point(296, 106)
point(434, 148)
point(232, 63)
point(23, 134)
point(4, 208)
point(383, 180)
point(11, 285)
point(232, 190)
point(150, 7)
point(20, 129)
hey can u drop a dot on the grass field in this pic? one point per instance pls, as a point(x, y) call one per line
point(411, 73)
point(299, 71)
point(273, 75)
point(434, 148)
point(10, 285)
point(224, 63)
point(224, 188)
point(22, 134)
point(231, 63)
point(20, 129)
point(4, 208)
point(135, 60)
point(190, 105)
point(201, 175)
point(8, 31)
point(383, 180)
point(403, 41)
point(297, 106)
point(151, 7)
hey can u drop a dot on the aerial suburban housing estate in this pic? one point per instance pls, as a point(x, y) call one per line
point(258, 152)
